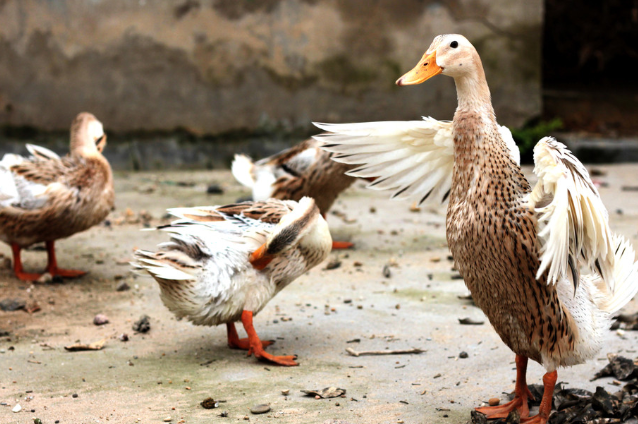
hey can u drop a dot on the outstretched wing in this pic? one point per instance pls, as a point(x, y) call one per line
point(413, 158)
point(573, 222)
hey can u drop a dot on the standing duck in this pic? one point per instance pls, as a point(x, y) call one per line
point(224, 263)
point(302, 170)
point(520, 250)
point(45, 198)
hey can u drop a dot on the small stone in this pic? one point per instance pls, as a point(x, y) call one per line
point(75, 395)
point(10, 305)
point(285, 392)
point(357, 264)
point(209, 403)
point(168, 419)
point(142, 325)
point(373, 209)
point(494, 401)
point(260, 409)
point(122, 287)
point(333, 264)
point(463, 355)
point(224, 414)
point(398, 306)
point(45, 278)
point(100, 319)
point(17, 408)
point(386, 271)
point(214, 189)
point(123, 337)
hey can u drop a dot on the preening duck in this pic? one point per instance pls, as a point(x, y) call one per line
point(45, 198)
point(302, 170)
point(520, 251)
point(224, 263)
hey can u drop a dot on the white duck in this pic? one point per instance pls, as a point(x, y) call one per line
point(519, 250)
point(224, 263)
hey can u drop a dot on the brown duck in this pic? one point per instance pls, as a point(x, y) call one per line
point(520, 251)
point(45, 198)
point(302, 170)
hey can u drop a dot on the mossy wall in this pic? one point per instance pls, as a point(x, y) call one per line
point(217, 66)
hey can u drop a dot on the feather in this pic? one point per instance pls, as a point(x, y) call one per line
point(573, 226)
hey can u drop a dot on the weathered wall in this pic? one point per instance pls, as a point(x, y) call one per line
point(222, 65)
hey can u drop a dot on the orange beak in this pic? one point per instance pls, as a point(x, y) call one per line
point(423, 71)
point(259, 259)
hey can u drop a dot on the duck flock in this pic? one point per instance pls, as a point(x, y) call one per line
point(541, 262)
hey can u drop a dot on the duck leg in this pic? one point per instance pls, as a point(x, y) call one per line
point(256, 346)
point(549, 382)
point(234, 342)
point(18, 270)
point(521, 394)
point(52, 266)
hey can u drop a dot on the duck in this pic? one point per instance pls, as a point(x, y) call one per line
point(302, 170)
point(45, 198)
point(541, 262)
point(223, 264)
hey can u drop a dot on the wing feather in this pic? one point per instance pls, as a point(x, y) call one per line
point(411, 158)
point(573, 227)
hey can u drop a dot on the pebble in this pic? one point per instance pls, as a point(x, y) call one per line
point(100, 319)
point(214, 189)
point(168, 419)
point(75, 395)
point(386, 271)
point(17, 408)
point(463, 355)
point(285, 392)
point(260, 409)
point(494, 401)
point(45, 278)
point(122, 287)
point(10, 305)
point(209, 403)
point(123, 337)
point(142, 325)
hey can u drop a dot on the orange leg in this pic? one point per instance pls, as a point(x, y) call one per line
point(52, 266)
point(17, 265)
point(256, 347)
point(234, 342)
point(521, 394)
point(549, 381)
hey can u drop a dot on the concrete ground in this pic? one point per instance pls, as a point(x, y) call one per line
point(170, 370)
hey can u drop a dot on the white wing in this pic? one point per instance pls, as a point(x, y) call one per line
point(42, 152)
point(413, 158)
point(573, 222)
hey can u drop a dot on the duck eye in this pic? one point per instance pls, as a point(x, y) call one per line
point(454, 44)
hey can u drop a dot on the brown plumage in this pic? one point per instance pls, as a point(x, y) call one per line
point(45, 198)
point(302, 170)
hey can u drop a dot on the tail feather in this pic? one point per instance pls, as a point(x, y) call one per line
point(625, 276)
point(243, 170)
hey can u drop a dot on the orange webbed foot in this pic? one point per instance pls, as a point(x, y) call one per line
point(244, 344)
point(502, 411)
point(340, 245)
point(287, 361)
point(27, 276)
point(66, 273)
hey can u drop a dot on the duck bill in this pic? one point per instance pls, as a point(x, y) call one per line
point(423, 71)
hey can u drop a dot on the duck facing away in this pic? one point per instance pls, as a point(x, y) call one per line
point(302, 170)
point(519, 250)
point(45, 198)
point(224, 263)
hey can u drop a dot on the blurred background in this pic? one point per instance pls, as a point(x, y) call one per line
point(187, 83)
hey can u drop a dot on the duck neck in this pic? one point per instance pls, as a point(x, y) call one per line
point(480, 154)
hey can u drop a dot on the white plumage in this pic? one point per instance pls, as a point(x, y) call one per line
point(413, 158)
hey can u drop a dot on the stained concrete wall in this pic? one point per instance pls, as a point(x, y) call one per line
point(223, 65)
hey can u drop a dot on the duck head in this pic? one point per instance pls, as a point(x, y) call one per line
point(87, 135)
point(450, 54)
